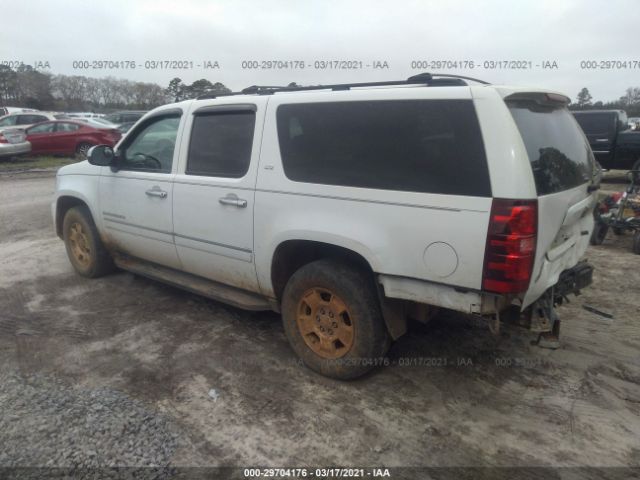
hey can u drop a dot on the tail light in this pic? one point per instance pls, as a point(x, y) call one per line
point(2, 139)
point(511, 246)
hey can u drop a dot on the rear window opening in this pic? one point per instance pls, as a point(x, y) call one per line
point(559, 153)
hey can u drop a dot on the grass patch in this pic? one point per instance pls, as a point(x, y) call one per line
point(34, 163)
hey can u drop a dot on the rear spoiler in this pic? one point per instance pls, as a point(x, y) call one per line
point(540, 98)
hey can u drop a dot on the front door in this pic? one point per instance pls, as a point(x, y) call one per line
point(135, 201)
point(214, 194)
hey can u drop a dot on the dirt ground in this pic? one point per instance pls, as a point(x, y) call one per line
point(466, 398)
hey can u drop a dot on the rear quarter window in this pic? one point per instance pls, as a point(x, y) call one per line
point(431, 146)
point(560, 156)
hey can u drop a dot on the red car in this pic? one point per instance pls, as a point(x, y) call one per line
point(68, 137)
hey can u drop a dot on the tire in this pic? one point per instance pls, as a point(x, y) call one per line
point(82, 149)
point(342, 302)
point(617, 231)
point(599, 233)
point(85, 250)
point(635, 246)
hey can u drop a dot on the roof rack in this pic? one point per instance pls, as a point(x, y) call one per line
point(426, 79)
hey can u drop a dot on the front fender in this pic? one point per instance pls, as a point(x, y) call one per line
point(81, 187)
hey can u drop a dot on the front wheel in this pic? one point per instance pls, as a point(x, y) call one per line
point(85, 250)
point(332, 319)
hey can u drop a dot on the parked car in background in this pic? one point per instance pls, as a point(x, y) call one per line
point(12, 143)
point(8, 110)
point(98, 122)
point(125, 116)
point(83, 115)
point(24, 120)
point(69, 137)
point(612, 142)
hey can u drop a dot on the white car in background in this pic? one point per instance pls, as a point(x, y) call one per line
point(13, 143)
point(81, 115)
point(8, 110)
point(24, 120)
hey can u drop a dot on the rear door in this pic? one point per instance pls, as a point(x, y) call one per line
point(66, 136)
point(563, 168)
point(214, 190)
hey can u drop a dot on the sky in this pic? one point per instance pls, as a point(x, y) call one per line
point(66, 36)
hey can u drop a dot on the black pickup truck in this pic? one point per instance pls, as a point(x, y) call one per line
point(612, 142)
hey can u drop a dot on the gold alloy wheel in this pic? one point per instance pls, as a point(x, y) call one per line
point(325, 323)
point(79, 244)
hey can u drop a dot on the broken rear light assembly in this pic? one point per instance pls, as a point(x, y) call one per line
point(511, 246)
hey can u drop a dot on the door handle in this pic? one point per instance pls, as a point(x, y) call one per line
point(233, 199)
point(156, 192)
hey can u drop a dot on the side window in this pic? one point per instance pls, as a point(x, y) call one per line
point(151, 147)
point(431, 146)
point(67, 127)
point(43, 128)
point(596, 123)
point(6, 122)
point(221, 144)
point(30, 119)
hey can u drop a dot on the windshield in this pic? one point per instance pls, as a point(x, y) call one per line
point(558, 151)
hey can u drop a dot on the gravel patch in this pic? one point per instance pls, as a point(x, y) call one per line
point(45, 423)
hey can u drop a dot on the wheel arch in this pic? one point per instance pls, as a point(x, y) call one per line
point(63, 204)
point(290, 255)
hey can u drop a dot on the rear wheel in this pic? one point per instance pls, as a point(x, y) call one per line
point(82, 150)
point(332, 318)
point(86, 251)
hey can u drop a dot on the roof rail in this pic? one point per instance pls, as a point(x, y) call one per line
point(425, 79)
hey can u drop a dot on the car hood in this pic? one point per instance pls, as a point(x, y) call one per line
point(80, 168)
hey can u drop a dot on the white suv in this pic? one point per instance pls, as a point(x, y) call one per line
point(347, 208)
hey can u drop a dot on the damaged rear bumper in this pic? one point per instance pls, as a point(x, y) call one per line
point(541, 316)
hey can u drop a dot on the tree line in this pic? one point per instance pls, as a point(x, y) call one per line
point(629, 102)
point(29, 88)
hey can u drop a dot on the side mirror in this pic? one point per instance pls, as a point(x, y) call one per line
point(100, 155)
